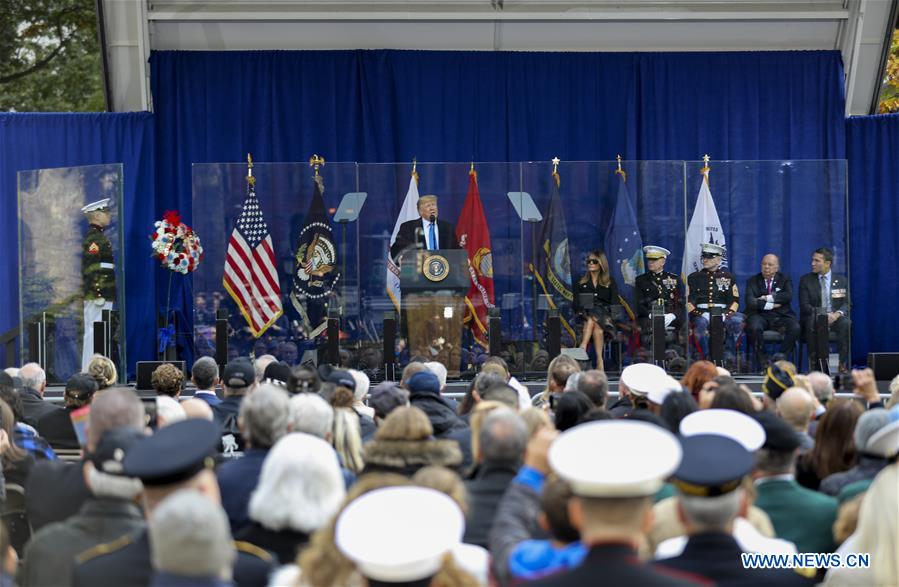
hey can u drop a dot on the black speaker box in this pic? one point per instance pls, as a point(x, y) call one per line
point(884, 365)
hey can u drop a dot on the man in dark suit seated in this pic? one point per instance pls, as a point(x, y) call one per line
point(426, 233)
point(768, 298)
point(828, 291)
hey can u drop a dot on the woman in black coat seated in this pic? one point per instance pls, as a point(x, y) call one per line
point(598, 319)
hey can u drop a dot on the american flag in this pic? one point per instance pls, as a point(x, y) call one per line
point(250, 275)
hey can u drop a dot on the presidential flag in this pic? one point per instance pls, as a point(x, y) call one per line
point(552, 267)
point(624, 246)
point(409, 211)
point(250, 274)
point(704, 227)
point(315, 272)
point(474, 236)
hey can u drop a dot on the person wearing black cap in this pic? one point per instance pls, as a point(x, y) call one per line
point(179, 456)
point(55, 490)
point(710, 497)
point(56, 426)
point(238, 380)
point(777, 380)
point(110, 513)
point(800, 515)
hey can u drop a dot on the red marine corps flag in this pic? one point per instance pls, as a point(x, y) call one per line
point(474, 237)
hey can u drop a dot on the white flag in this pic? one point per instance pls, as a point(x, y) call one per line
point(409, 211)
point(704, 228)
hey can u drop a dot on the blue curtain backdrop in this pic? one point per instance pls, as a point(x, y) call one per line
point(371, 106)
point(36, 141)
point(873, 149)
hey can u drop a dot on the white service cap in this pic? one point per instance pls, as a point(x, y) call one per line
point(659, 392)
point(94, 206)
point(399, 534)
point(642, 377)
point(730, 423)
point(615, 458)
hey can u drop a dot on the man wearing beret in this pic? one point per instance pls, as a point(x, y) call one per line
point(710, 497)
point(713, 288)
point(179, 456)
point(800, 515)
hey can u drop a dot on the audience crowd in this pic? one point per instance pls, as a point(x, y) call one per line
point(266, 474)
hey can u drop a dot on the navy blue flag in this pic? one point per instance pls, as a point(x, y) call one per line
point(315, 272)
point(624, 246)
point(553, 264)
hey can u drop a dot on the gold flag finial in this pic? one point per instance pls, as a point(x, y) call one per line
point(415, 168)
point(250, 179)
point(705, 168)
point(621, 171)
point(556, 161)
point(315, 162)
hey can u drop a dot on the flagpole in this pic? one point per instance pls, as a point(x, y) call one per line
point(706, 169)
point(621, 171)
point(415, 168)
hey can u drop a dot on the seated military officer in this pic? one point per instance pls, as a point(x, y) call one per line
point(658, 286)
point(713, 287)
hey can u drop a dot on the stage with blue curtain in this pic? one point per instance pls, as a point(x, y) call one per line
point(391, 106)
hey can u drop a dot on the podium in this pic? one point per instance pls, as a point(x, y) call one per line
point(433, 285)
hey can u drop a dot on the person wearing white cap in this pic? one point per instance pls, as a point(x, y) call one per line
point(97, 272)
point(634, 385)
point(660, 390)
point(613, 492)
point(401, 535)
point(658, 286)
point(713, 288)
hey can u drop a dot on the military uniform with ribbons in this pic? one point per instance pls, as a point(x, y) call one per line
point(652, 288)
point(98, 277)
point(714, 289)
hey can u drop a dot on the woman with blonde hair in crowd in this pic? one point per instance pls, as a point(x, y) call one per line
point(876, 534)
point(347, 434)
point(103, 371)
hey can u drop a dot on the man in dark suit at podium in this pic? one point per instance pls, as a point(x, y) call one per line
point(824, 289)
point(427, 233)
point(768, 298)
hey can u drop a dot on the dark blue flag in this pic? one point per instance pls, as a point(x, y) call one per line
point(624, 246)
point(553, 264)
point(315, 272)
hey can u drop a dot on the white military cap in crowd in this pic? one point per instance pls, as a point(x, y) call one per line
point(654, 252)
point(730, 423)
point(713, 249)
point(94, 206)
point(399, 534)
point(439, 370)
point(615, 458)
point(659, 392)
point(885, 442)
point(641, 377)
